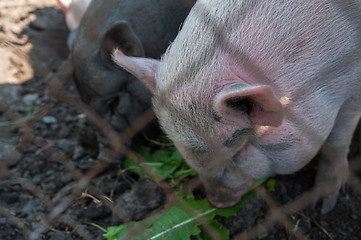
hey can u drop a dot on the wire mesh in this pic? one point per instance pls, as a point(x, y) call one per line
point(44, 185)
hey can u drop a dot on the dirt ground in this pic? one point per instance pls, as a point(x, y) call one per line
point(48, 152)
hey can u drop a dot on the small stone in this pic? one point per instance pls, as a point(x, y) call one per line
point(85, 164)
point(69, 119)
point(66, 145)
point(79, 152)
point(138, 202)
point(9, 93)
point(37, 179)
point(55, 127)
point(49, 119)
point(6, 150)
point(58, 236)
point(261, 231)
point(10, 197)
point(64, 131)
point(354, 216)
point(66, 178)
point(30, 99)
point(324, 224)
point(50, 187)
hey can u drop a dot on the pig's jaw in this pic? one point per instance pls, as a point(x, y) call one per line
point(220, 204)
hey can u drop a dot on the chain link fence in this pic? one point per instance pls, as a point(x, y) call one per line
point(60, 162)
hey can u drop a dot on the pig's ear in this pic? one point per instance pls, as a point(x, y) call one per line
point(121, 36)
point(64, 5)
point(142, 68)
point(258, 103)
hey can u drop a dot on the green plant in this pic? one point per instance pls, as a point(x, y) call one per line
point(28, 110)
point(188, 218)
point(164, 158)
point(180, 221)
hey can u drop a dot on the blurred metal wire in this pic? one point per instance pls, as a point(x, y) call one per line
point(277, 214)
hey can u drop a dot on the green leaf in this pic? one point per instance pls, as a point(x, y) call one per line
point(167, 162)
point(98, 226)
point(232, 211)
point(118, 232)
point(270, 184)
point(30, 109)
point(132, 167)
point(220, 229)
point(174, 224)
point(8, 123)
point(184, 172)
point(177, 223)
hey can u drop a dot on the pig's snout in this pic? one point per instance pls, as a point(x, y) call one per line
point(226, 188)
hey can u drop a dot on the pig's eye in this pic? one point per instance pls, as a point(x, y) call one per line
point(241, 104)
point(198, 151)
point(239, 138)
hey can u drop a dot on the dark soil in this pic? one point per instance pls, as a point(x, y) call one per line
point(35, 185)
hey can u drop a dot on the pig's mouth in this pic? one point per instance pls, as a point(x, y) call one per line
point(221, 197)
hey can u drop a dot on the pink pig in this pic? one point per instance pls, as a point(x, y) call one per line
point(250, 89)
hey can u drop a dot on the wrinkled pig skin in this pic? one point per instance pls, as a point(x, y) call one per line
point(250, 89)
point(140, 28)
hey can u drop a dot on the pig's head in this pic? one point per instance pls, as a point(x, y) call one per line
point(217, 90)
point(139, 29)
point(92, 61)
point(213, 130)
point(123, 98)
point(210, 111)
